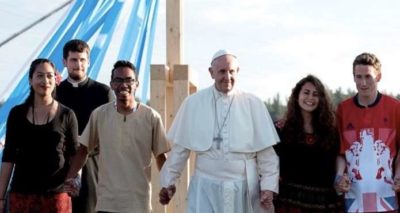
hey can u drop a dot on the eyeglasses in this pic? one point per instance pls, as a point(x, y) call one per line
point(129, 81)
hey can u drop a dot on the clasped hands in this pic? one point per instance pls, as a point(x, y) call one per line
point(343, 184)
point(72, 186)
point(266, 199)
point(396, 183)
point(166, 194)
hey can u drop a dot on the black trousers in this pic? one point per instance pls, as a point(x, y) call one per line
point(86, 201)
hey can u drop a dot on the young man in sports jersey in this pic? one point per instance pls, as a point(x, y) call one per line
point(369, 129)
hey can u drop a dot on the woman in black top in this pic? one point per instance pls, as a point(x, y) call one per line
point(41, 138)
point(307, 151)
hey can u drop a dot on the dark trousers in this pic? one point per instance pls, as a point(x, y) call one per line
point(86, 201)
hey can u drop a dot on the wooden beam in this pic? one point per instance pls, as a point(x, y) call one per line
point(174, 33)
point(181, 91)
point(158, 85)
point(158, 99)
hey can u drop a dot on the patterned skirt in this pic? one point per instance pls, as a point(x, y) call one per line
point(297, 198)
point(31, 203)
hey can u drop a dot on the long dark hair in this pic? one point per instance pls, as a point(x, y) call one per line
point(29, 100)
point(323, 117)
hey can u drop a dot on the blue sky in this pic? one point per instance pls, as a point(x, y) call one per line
point(277, 41)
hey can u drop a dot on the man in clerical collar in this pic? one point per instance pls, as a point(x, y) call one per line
point(232, 134)
point(82, 94)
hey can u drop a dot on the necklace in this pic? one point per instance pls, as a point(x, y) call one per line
point(310, 139)
point(219, 139)
point(47, 119)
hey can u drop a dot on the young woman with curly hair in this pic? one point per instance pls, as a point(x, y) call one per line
point(307, 151)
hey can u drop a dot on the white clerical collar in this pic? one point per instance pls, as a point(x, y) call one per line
point(219, 94)
point(76, 83)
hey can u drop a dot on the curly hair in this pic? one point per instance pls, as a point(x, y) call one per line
point(323, 117)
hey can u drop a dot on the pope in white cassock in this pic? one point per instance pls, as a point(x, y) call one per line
point(232, 134)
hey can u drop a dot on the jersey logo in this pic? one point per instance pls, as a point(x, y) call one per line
point(349, 126)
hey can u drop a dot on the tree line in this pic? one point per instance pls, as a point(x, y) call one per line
point(277, 107)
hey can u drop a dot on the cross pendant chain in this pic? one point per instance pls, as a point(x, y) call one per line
point(218, 140)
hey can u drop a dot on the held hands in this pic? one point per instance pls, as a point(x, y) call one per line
point(266, 198)
point(2, 204)
point(342, 183)
point(396, 183)
point(72, 186)
point(166, 194)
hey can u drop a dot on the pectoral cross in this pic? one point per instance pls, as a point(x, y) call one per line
point(218, 140)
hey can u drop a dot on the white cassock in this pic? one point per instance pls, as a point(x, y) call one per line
point(229, 174)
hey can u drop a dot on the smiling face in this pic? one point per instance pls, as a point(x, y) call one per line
point(224, 70)
point(124, 85)
point(43, 79)
point(308, 98)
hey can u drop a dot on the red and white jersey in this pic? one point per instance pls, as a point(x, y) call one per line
point(369, 140)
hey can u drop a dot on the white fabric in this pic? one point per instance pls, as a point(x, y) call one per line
point(208, 195)
point(232, 172)
point(267, 165)
point(220, 53)
point(221, 187)
point(194, 125)
point(223, 176)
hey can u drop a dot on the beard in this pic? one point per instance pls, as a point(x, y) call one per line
point(77, 75)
